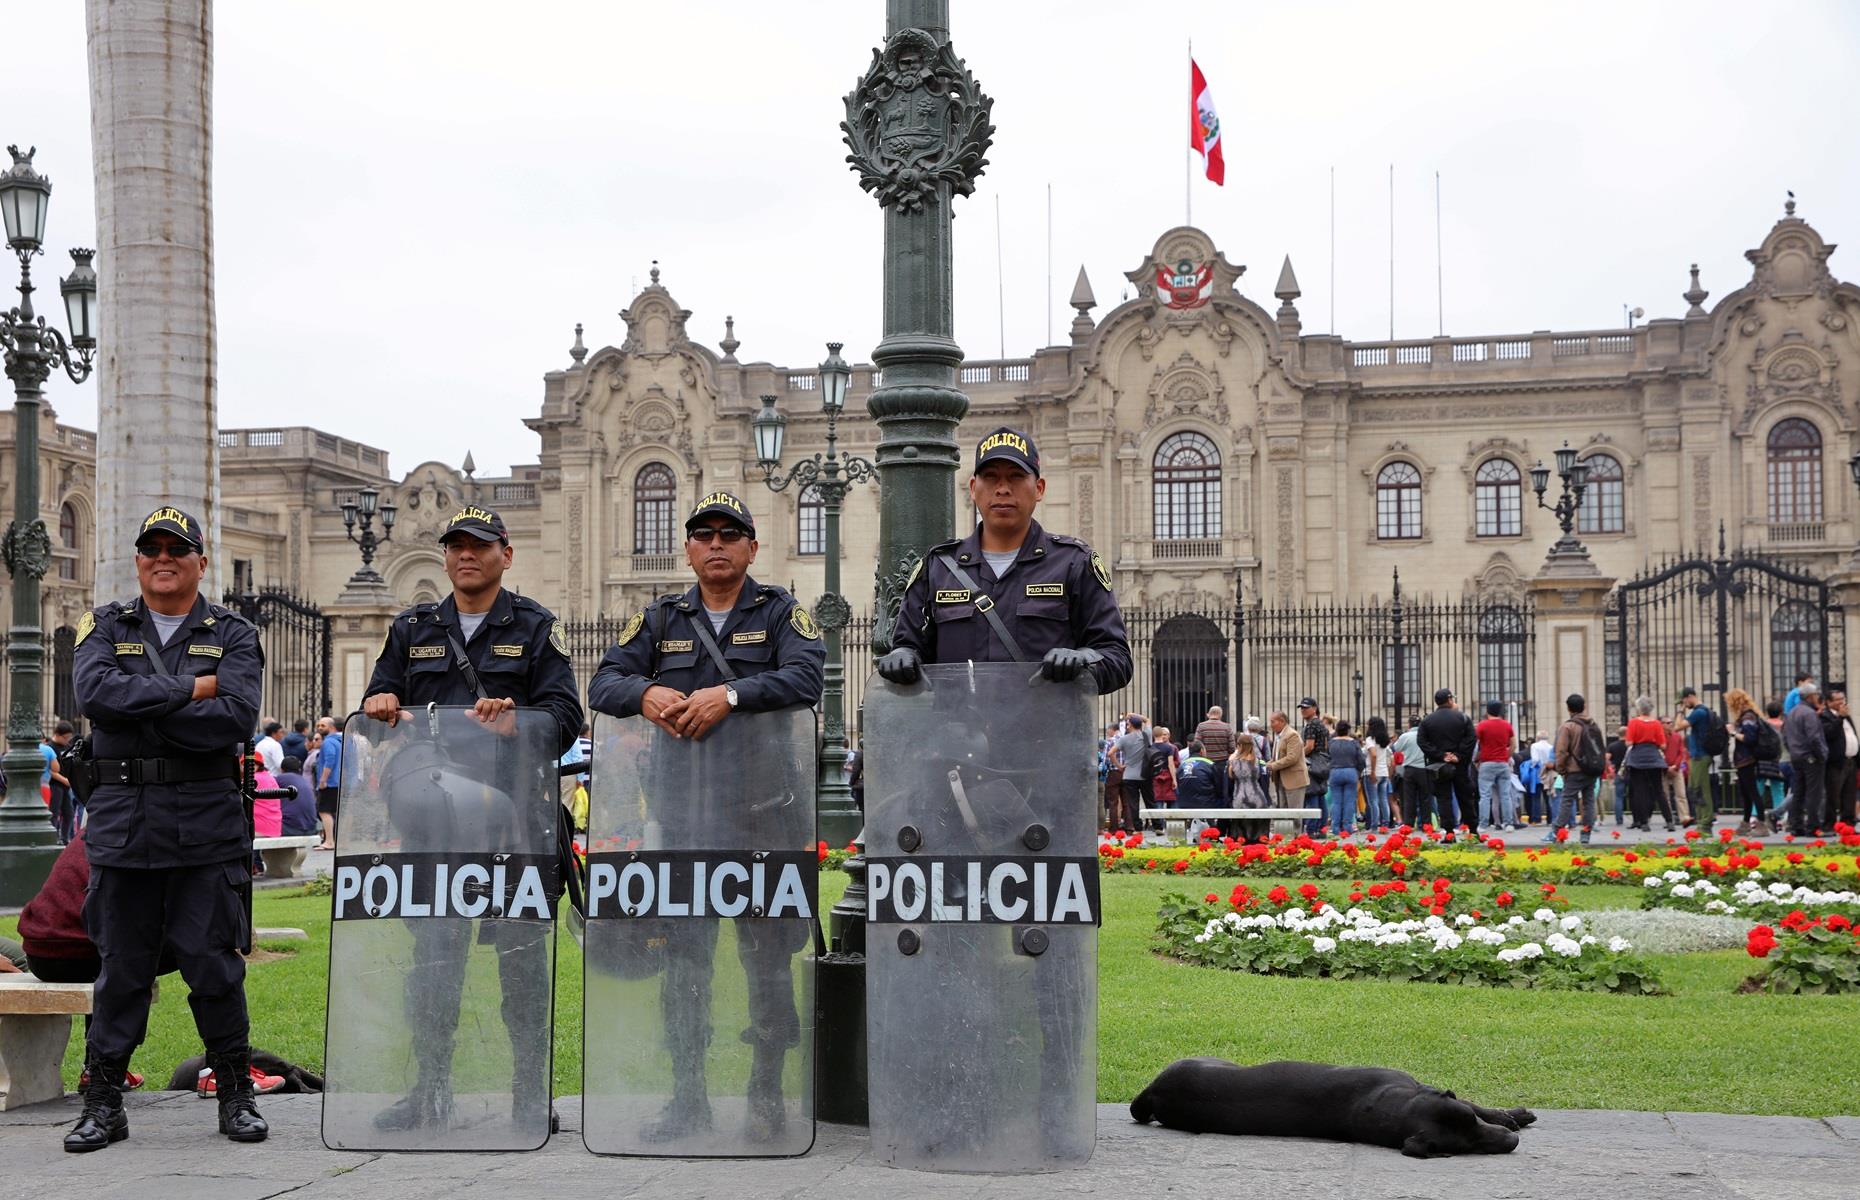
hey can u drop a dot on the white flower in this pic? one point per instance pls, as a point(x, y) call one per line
point(1565, 946)
point(1777, 889)
point(1393, 938)
point(1543, 914)
point(1571, 923)
point(1519, 953)
point(1433, 922)
point(1718, 906)
point(1515, 920)
point(1683, 891)
point(1463, 919)
point(1708, 887)
point(1653, 881)
point(1619, 945)
point(1587, 939)
point(1677, 877)
point(1202, 937)
point(1323, 945)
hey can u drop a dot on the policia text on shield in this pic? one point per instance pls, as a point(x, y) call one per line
point(170, 684)
point(447, 870)
point(701, 831)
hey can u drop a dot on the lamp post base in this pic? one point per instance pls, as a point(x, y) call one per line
point(28, 848)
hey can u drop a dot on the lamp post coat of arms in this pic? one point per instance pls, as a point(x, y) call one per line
point(916, 120)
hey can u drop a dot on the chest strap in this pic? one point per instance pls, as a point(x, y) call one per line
point(984, 604)
point(465, 666)
point(700, 625)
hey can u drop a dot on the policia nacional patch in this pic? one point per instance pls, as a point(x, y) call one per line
point(803, 624)
point(1098, 569)
point(558, 639)
point(632, 628)
point(86, 623)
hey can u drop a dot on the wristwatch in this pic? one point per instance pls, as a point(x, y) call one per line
point(729, 693)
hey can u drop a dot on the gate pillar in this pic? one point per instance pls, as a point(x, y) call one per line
point(1571, 653)
point(1844, 651)
point(359, 621)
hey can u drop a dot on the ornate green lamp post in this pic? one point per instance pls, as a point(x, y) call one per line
point(919, 128)
point(28, 844)
point(832, 477)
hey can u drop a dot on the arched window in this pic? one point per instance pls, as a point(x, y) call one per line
point(1795, 472)
point(811, 535)
point(68, 538)
point(1498, 499)
point(1187, 487)
point(1796, 633)
point(1501, 654)
point(1604, 504)
point(1398, 502)
point(655, 490)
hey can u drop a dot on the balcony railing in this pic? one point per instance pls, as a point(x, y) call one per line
point(1472, 352)
point(652, 565)
point(1185, 548)
point(1797, 532)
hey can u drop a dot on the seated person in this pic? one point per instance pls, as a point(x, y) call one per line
point(299, 814)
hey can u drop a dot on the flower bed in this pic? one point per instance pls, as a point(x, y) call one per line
point(1539, 951)
point(1750, 896)
point(1405, 854)
point(1814, 955)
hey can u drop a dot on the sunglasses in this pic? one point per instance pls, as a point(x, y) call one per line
point(174, 550)
point(704, 536)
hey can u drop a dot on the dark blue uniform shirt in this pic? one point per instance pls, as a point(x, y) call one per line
point(516, 651)
point(769, 641)
point(138, 713)
point(1055, 593)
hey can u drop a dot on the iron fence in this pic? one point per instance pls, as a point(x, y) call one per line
point(296, 636)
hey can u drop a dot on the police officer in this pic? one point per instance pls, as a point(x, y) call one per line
point(666, 668)
point(171, 686)
point(516, 658)
point(1011, 591)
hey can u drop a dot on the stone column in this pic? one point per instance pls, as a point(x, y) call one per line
point(1569, 629)
point(1844, 631)
point(359, 621)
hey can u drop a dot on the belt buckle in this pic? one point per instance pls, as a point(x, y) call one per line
point(984, 603)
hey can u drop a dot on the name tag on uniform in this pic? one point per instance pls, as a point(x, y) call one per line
point(749, 639)
point(676, 646)
point(954, 596)
point(1046, 589)
point(426, 652)
point(207, 651)
point(507, 651)
point(129, 647)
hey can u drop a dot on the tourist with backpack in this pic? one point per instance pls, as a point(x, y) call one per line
point(1757, 742)
point(1580, 761)
point(1706, 739)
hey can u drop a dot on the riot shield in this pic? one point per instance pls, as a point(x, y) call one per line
point(698, 956)
point(982, 938)
point(442, 943)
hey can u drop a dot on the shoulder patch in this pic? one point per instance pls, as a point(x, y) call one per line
point(558, 638)
point(1100, 570)
point(803, 623)
point(207, 651)
point(85, 624)
point(632, 628)
point(917, 569)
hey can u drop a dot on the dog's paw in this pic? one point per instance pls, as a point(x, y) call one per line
point(1523, 1117)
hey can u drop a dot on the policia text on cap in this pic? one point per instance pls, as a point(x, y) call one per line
point(171, 686)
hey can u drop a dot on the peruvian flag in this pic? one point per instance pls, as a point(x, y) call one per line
point(1204, 128)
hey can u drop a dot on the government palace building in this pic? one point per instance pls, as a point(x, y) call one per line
point(1196, 435)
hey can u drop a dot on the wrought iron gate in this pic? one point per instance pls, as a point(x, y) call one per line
point(296, 637)
point(1736, 620)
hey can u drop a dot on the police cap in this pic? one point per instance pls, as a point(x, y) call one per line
point(169, 519)
point(481, 523)
point(1008, 445)
point(722, 504)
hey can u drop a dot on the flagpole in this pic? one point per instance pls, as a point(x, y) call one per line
point(1333, 249)
point(1049, 264)
point(1000, 287)
point(1188, 164)
point(1391, 252)
point(1440, 273)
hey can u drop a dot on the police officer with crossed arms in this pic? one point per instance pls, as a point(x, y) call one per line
point(515, 657)
point(171, 686)
point(729, 644)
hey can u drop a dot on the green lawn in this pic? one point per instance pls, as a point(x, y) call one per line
point(1702, 1048)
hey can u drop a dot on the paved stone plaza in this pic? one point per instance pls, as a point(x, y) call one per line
point(173, 1151)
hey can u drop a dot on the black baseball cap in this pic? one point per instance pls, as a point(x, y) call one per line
point(722, 504)
point(1307, 702)
point(481, 523)
point(1008, 445)
point(1443, 695)
point(169, 519)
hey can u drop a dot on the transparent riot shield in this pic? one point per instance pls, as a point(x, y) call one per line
point(698, 957)
point(982, 942)
point(442, 943)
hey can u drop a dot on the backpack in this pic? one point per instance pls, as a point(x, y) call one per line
point(1591, 758)
point(1767, 745)
point(1716, 739)
point(1156, 758)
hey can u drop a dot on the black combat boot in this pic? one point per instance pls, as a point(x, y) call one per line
point(427, 1106)
point(689, 1110)
point(103, 1120)
point(239, 1119)
point(768, 1113)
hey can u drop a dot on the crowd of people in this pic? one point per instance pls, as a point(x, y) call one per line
point(1795, 766)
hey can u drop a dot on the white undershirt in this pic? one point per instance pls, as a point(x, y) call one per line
point(717, 618)
point(166, 625)
point(469, 623)
point(999, 563)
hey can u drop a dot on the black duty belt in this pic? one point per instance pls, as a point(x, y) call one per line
point(164, 770)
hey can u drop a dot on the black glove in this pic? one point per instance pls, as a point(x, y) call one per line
point(1063, 665)
point(901, 666)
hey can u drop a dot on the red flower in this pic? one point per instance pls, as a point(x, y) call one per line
point(1210, 832)
point(1617, 834)
point(1834, 868)
point(1398, 867)
point(1549, 889)
point(1400, 885)
point(1356, 897)
point(1562, 835)
point(1440, 883)
point(1760, 942)
point(1613, 874)
point(1211, 898)
point(1725, 835)
point(1794, 857)
point(1836, 922)
point(1630, 856)
point(1308, 891)
point(1692, 835)
point(1181, 865)
point(1378, 890)
point(1135, 839)
point(1279, 895)
point(1576, 860)
point(823, 852)
point(1504, 899)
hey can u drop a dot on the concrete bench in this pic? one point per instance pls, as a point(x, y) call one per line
point(1175, 820)
point(283, 855)
point(35, 1027)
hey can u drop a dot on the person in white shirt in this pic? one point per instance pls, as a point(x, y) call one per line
point(270, 750)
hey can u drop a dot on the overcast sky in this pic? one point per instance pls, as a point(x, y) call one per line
point(415, 202)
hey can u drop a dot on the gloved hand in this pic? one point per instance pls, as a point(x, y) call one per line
point(1063, 664)
point(901, 666)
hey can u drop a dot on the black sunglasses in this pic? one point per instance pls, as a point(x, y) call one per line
point(705, 535)
point(174, 550)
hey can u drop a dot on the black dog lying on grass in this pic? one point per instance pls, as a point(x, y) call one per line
point(1371, 1105)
